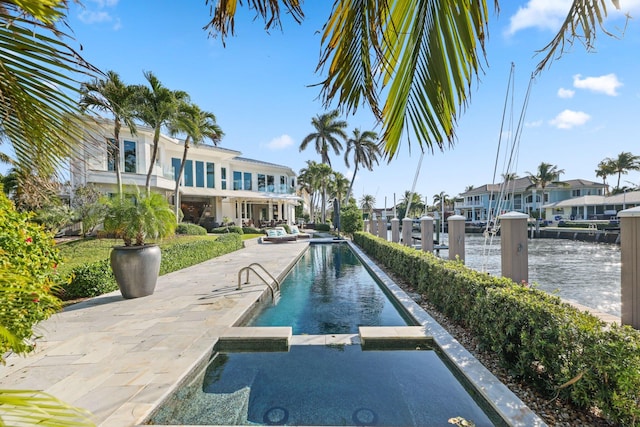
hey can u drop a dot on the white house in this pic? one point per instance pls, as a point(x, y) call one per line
point(217, 182)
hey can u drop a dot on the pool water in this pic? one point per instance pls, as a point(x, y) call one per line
point(329, 291)
point(324, 385)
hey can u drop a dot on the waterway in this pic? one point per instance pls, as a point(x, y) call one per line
point(585, 272)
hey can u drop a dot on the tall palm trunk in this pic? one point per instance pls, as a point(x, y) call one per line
point(323, 208)
point(154, 155)
point(353, 178)
point(179, 178)
point(116, 155)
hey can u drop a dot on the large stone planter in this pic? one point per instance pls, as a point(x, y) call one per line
point(136, 269)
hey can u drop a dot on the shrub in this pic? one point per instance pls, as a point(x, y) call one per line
point(28, 263)
point(351, 219)
point(537, 336)
point(190, 229)
point(252, 230)
point(228, 229)
point(97, 278)
point(323, 227)
point(90, 280)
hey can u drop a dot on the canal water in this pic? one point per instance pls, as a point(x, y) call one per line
point(585, 272)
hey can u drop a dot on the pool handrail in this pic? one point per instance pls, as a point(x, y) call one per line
point(249, 268)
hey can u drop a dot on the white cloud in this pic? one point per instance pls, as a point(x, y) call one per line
point(566, 93)
point(533, 124)
point(283, 141)
point(91, 17)
point(568, 119)
point(541, 14)
point(606, 84)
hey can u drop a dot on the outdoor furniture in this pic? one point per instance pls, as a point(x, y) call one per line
point(300, 235)
point(278, 235)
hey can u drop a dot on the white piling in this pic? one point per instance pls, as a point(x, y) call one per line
point(407, 226)
point(456, 237)
point(426, 233)
point(630, 266)
point(395, 230)
point(514, 246)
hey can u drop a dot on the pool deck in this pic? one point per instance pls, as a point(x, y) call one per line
point(120, 358)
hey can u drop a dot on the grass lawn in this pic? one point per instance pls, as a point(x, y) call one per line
point(84, 251)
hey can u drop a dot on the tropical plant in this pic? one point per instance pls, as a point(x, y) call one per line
point(111, 95)
point(365, 153)
point(328, 133)
point(338, 186)
point(34, 189)
point(410, 204)
point(54, 217)
point(136, 217)
point(308, 182)
point(197, 125)
point(545, 174)
point(156, 106)
point(87, 207)
point(367, 204)
point(605, 168)
point(351, 218)
point(412, 61)
point(620, 165)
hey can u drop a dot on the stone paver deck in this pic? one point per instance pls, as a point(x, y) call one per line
point(119, 358)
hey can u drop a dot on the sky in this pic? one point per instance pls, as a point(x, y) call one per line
point(260, 86)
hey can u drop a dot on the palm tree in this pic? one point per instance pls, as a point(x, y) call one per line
point(338, 186)
point(307, 181)
point(605, 168)
point(156, 105)
point(622, 164)
point(413, 62)
point(198, 125)
point(545, 175)
point(367, 203)
point(328, 133)
point(111, 95)
point(410, 203)
point(365, 152)
point(509, 176)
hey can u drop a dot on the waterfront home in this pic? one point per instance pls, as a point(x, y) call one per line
point(592, 207)
point(488, 200)
point(217, 182)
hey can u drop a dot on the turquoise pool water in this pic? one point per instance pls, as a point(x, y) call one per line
point(324, 386)
point(329, 291)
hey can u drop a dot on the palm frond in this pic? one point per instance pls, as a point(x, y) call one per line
point(224, 13)
point(30, 407)
point(582, 23)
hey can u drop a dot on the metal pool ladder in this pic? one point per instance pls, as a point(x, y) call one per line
point(250, 268)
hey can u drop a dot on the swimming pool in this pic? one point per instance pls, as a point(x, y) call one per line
point(330, 379)
point(329, 291)
point(325, 386)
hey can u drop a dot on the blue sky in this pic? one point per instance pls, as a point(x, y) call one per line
point(582, 109)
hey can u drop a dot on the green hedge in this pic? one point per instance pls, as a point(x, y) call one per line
point(190, 229)
point(539, 338)
point(252, 230)
point(323, 227)
point(228, 229)
point(97, 278)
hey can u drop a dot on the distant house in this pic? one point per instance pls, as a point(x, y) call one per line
point(592, 207)
point(217, 182)
point(488, 200)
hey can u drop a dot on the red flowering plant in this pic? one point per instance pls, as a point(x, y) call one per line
point(28, 278)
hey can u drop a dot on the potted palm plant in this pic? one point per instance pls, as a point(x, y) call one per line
point(136, 265)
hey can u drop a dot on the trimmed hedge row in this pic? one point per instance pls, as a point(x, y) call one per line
point(561, 350)
point(190, 229)
point(97, 278)
point(228, 229)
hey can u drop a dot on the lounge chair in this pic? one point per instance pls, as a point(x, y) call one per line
point(300, 235)
point(278, 235)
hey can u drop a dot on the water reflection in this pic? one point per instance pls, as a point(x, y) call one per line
point(585, 272)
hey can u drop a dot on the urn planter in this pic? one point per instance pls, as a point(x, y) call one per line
point(136, 269)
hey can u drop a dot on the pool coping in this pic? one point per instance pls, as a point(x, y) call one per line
point(501, 399)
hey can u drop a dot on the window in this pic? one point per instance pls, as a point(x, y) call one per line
point(130, 157)
point(175, 164)
point(237, 180)
point(293, 183)
point(111, 154)
point(223, 178)
point(262, 182)
point(199, 174)
point(283, 184)
point(211, 174)
point(188, 173)
point(575, 193)
point(270, 183)
point(247, 180)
